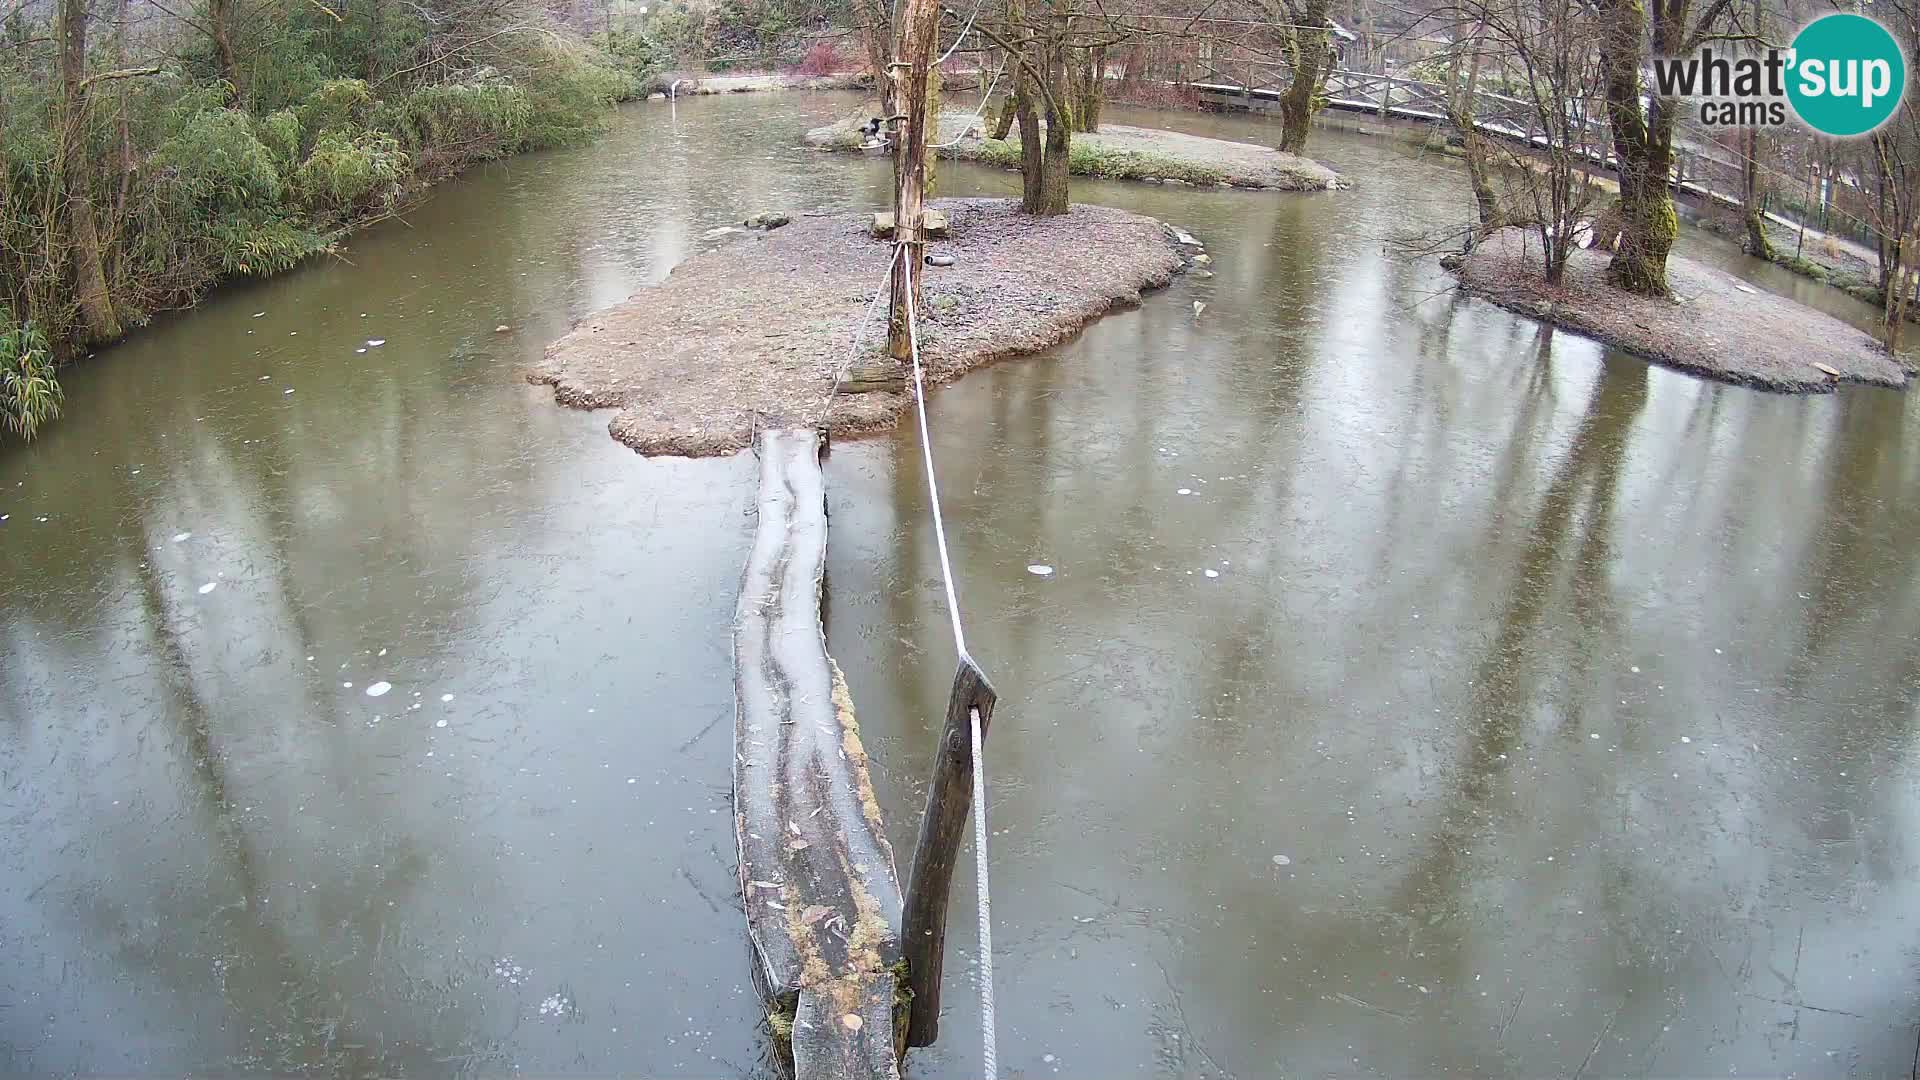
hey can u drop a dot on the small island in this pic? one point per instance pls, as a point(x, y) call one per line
point(758, 332)
point(1713, 324)
point(1115, 152)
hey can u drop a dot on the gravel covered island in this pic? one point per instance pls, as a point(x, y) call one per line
point(754, 333)
point(1715, 325)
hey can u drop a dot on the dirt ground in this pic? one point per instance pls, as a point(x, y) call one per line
point(753, 334)
point(1714, 325)
point(1119, 152)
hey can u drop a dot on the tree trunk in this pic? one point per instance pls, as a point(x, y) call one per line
point(1032, 151)
point(376, 28)
point(1643, 150)
point(1053, 174)
point(1008, 112)
point(1895, 292)
point(1089, 89)
point(1309, 55)
point(220, 28)
point(1757, 243)
point(100, 323)
point(876, 38)
point(1460, 104)
point(911, 73)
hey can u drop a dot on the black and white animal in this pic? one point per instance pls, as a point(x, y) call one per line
point(870, 131)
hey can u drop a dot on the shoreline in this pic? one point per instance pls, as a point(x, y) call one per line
point(756, 333)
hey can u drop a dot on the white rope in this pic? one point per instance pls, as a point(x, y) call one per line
point(988, 1051)
point(926, 450)
point(977, 114)
point(983, 896)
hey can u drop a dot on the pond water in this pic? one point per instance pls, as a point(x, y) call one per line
point(1417, 691)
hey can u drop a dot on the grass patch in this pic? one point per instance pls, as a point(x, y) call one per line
point(1086, 159)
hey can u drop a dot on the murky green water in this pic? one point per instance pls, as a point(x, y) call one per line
point(1549, 715)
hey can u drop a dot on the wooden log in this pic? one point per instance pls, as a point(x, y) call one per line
point(817, 876)
point(881, 376)
point(924, 929)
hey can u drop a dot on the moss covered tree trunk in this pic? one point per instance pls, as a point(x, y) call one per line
point(1751, 197)
point(1643, 148)
point(1005, 116)
point(90, 294)
point(1032, 150)
point(1311, 55)
point(1053, 174)
point(1089, 88)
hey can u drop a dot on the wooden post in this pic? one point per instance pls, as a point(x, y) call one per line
point(924, 922)
point(912, 64)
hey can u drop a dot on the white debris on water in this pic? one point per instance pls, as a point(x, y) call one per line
point(288, 390)
point(258, 314)
point(1213, 573)
point(442, 722)
point(181, 538)
point(1686, 739)
point(1282, 860)
point(506, 969)
point(1184, 491)
point(346, 685)
point(379, 689)
point(382, 652)
point(1635, 669)
point(1040, 570)
point(374, 343)
point(209, 587)
point(1593, 735)
point(444, 698)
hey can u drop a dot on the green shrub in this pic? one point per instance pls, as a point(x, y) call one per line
point(571, 101)
point(345, 173)
point(336, 105)
point(280, 134)
point(637, 58)
point(260, 245)
point(29, 394)
point(458, 122)
point(216, 161)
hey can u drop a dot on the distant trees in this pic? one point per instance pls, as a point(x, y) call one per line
point(1055, 54)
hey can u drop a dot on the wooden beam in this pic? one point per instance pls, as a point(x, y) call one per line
point(924, 924)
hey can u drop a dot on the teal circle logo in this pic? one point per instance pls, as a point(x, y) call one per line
point(1847, 75)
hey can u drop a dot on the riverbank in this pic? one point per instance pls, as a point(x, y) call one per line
point(755, 333)
point(1117, 152)
point(1716, 325)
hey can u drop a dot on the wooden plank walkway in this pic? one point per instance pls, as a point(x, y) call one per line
point(817, 875)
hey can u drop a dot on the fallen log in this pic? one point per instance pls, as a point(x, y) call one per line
point(817, 875)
